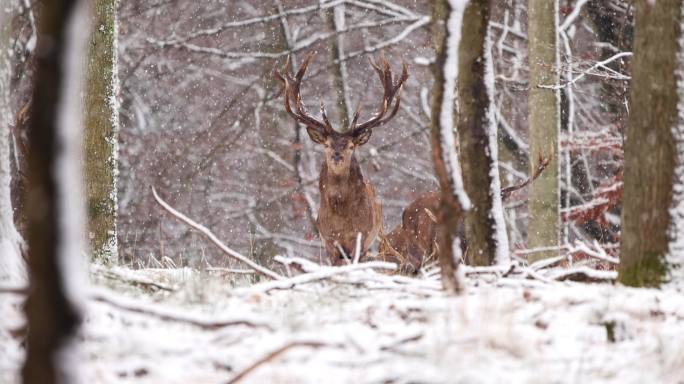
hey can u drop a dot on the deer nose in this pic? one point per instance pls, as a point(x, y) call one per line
point(337, 157)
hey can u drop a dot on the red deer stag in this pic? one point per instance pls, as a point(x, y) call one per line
point(412, 242)
point(348, 205)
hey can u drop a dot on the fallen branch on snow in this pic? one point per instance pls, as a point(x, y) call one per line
point(583, 274)
point(317, 275)
point(15, 290)
point(115, 274)
point(206, 232)
point(166, 314)
point(370, 280)
point(272, 355)
point(597, 252)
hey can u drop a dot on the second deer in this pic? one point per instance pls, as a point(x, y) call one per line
point(413, 242)
point(348, 204)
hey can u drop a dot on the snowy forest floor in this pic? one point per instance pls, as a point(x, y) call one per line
point(183, 326)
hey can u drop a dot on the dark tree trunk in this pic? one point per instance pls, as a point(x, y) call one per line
point(651, 215)
point(485, 227)
point(52, 319)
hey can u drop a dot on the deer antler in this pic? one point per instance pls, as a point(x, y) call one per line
point(541, 165)
point(392, 92)
point(293, 84)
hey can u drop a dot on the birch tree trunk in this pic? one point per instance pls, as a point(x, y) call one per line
point(101, 134)
point(53, 195)
point(544, 123)
point(652, 242)
point(485, 225)
point(454, 202)
point(12, 268)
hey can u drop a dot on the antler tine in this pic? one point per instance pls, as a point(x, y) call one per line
point(391, 92)
point(396, 92)
point(292, 87)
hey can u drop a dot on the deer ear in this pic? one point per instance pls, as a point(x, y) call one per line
point(362, 136)
point(316, 135)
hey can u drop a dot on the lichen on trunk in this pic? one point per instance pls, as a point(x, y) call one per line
point(101, 132)
point(544, 122)
point(653, 208)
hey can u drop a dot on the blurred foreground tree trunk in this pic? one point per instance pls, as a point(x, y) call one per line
point(101, 133)
point(544, 122)
point(12, 267)
point(485, 225)
point(454, 202)
point(53, 186)
point(652, 241)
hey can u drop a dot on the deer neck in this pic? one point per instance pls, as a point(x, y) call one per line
point(340, 188)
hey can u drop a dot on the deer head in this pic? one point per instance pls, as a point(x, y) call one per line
point(340, 146)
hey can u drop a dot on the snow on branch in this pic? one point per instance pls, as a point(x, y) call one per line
point(317, 274)
point(135, 306)
point(111, 299)
point(584, 274)
point(567, 22)
point(446, 117)
point(126, 276)
point(206, 232)
point(588, 72)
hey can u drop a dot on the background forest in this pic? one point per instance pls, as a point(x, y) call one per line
point(202, 117)
point(506, 203)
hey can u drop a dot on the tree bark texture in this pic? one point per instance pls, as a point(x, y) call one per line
point(335, 17)
point(476, 133)
point(451, 210)
point(652, 146)
point(101, 133)
point(51, 316)
point(544, 123)
point(12, 268)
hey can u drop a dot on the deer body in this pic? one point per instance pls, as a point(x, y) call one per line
point(348, 204)
point(340, 195)
point(413, 242)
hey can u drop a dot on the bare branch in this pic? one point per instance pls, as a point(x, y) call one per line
point(206, 232)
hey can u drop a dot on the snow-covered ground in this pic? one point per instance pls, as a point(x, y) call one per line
point(182, 326)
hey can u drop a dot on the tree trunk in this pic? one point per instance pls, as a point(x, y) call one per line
point(101, 134)
point(485, 226)
point(53, 194)
point(12, 268)
point(544, 205)
point(454, 202)
point(335, 20)
point(653, 208)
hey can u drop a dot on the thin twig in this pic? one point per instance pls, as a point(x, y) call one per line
point(273, 354)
